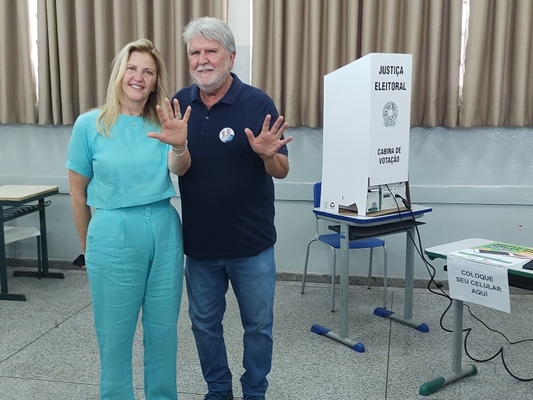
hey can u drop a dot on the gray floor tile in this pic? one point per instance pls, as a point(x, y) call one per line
point(309, 366)
point(25, 389)
point(48, 348)
point(49, 303)
point(413, 363)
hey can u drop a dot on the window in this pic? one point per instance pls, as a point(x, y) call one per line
point(464, 39)
point(32, 8)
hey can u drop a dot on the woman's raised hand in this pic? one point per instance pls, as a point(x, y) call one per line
point(174, 125)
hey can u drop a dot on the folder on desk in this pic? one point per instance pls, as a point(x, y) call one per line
point(500, 254)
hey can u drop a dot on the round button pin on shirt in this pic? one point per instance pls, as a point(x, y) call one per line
point(226, 135)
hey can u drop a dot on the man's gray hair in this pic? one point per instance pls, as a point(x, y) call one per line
point(212, 29)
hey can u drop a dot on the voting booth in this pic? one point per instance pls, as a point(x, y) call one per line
point(367, 111)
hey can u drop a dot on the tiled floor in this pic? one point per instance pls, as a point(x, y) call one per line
point(48, 349)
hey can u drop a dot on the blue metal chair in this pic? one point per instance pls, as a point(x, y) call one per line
point(332, 240)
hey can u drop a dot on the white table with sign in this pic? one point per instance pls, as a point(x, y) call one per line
point(479, 271)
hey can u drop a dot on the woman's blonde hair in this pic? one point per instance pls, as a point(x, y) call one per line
point(111, 109)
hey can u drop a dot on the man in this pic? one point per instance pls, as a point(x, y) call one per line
point(227, 195)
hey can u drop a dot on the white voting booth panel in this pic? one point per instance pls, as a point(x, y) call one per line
point(367, 112)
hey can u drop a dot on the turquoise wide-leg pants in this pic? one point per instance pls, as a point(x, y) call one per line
point(134, 261)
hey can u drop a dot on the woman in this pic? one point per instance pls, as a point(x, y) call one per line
point(133, 242)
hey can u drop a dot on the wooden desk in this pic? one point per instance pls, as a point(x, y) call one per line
point(357, 227)
point(14, 203)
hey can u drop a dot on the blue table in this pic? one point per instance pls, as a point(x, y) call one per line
point(353, 227)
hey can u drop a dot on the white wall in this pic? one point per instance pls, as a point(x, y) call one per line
point(478, 181)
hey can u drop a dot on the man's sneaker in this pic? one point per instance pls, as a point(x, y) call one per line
point(253, 397)
point(219, 396)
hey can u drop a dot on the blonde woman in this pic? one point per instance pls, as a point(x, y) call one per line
point(133, 242)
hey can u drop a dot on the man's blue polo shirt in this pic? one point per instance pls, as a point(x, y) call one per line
point(226, 195)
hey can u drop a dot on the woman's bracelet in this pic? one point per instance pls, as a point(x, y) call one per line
point(182, 149)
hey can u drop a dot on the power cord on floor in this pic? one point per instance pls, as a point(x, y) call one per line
point(499, 352)
point(432, 272)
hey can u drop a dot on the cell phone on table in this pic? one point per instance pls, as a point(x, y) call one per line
point(496, 252)
point(528, 265)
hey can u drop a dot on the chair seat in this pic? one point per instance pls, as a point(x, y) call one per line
point(16, 233)
point(333, 239)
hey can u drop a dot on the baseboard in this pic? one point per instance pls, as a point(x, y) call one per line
point(32, 263)
point(358, 280)
point(355, 280)
point(281, 276)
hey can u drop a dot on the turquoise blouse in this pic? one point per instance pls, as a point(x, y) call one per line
point(126, 169)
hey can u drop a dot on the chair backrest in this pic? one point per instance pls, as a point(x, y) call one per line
point(317, 188)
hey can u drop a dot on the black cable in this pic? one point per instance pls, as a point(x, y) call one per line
point(429, 267)
point(499, 352)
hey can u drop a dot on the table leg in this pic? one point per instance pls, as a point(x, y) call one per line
point(3, 267)
point(4, 294)
point(343, 262)
point(409, 273)
point(409, 281)
point(457, 371)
